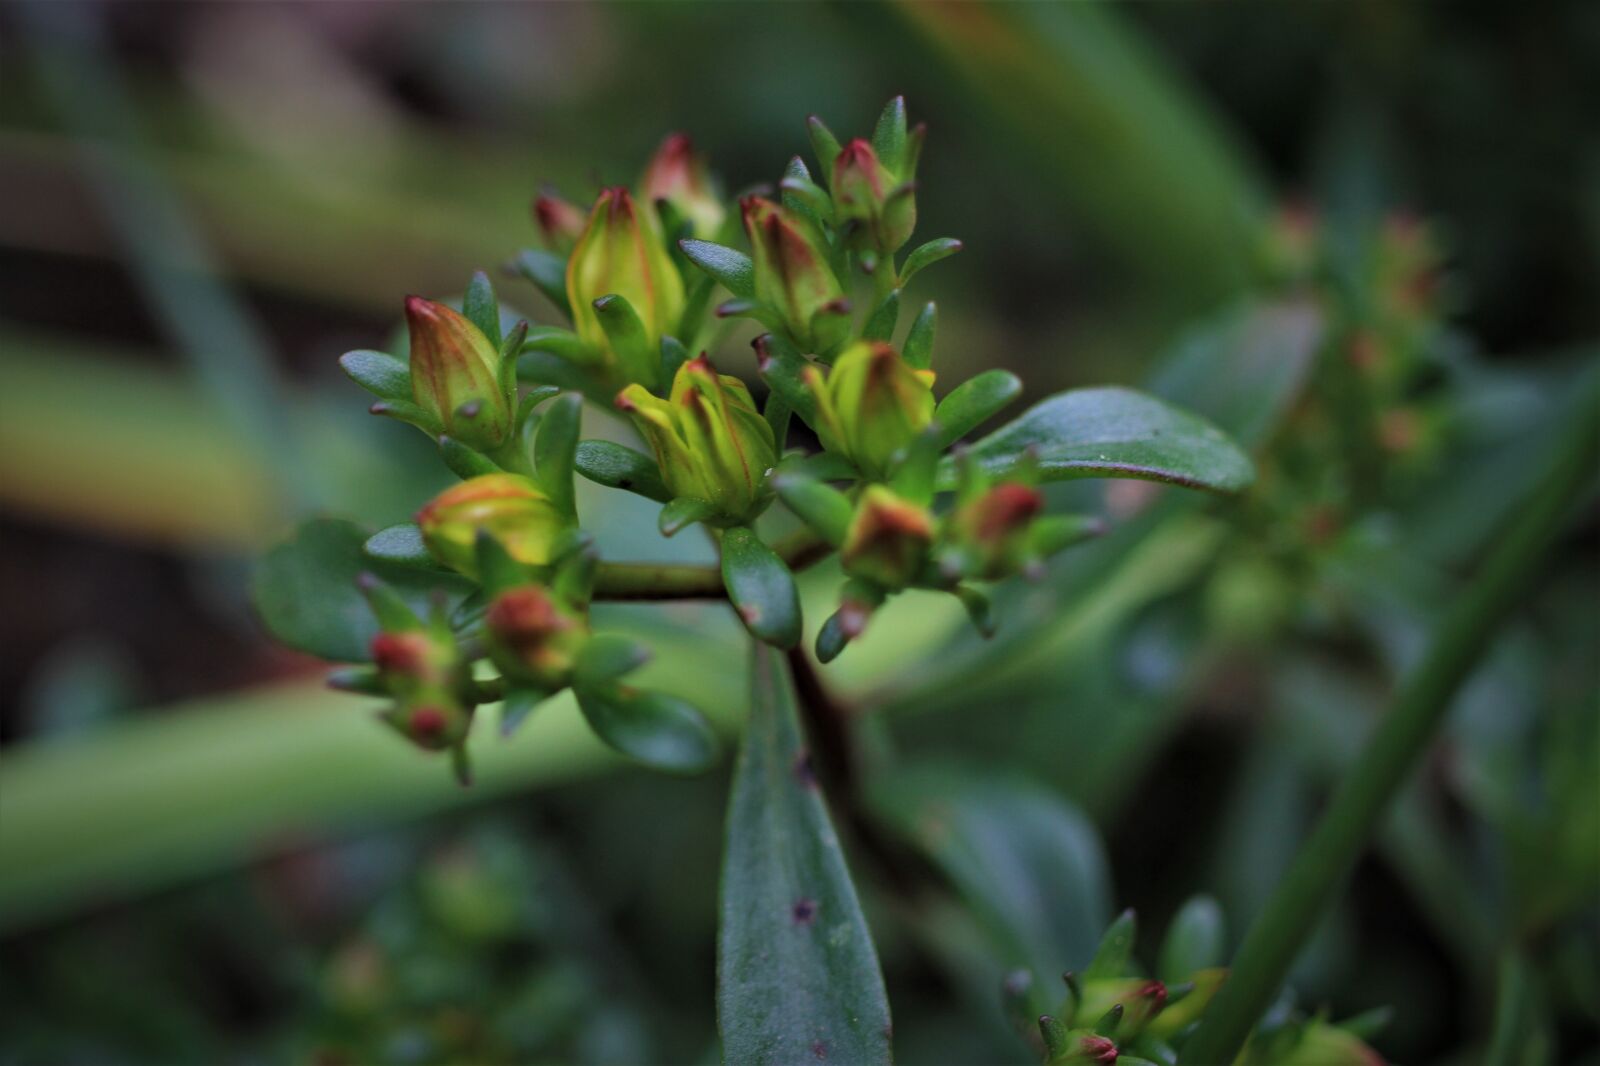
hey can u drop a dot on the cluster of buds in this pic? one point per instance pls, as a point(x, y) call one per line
point(1112, 1013)
point(890, 538)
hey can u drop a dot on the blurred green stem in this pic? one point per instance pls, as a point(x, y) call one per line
point(1362, 798)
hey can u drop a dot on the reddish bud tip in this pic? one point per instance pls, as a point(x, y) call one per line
point(427, 723)
point(400, 653)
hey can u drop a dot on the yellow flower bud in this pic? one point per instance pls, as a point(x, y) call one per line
point(512, 508)
point(888, 540)
point(792, 275)
point(455, 375)
point(534, 637)
point(622, 253)
point(870, 405)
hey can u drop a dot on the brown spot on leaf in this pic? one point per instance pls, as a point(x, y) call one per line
point(804, 911)
point(805, 771)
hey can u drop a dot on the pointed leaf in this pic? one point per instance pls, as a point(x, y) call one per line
point(880, 327)
point(640, 359)
point(682, 512)
point(918, 349)
point(1116, 948)
point(823, 142)
point(481, 308)
point(1113, 432)
point(926, 255)
point(761, 588)
point(731, 267)
point(782, 367)
point(822, 507)
point(559, 342)
point(519, 704)
point(305, 590)
point(889, 136)
point(555, 447)
point(797, 974)
point(607, 657)
point(973, 402)
point(379, 373)
point(465, 461)
point(548, 273)
point(658, 730)
point(620, 467)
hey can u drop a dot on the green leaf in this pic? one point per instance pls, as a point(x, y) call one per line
point(1028, 864)
point(974, 402)
point(822, 507)
point(640, 359)
point(379, 373)
point(606, 657)
point(926, 255)
point(731, 267)
point(464, 460)
point(880, 327)
point(481, 308)
point(1116, 948)
point(682, 512)
point(1196, 940)
point(889, 136)
point(658, 730)
point(673, 356)
point(1113, 432)
point(400, 545)
point(555, 446)
point(559, 342)
point(782, 367)
point(519, 704)
point(918, 349)
point(548, 273)
point(825, 144)
point(619, 467)
point(761, 588)
point(305, 590)
point(797, 974)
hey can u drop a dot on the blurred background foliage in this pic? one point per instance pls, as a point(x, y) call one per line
point(204, 857)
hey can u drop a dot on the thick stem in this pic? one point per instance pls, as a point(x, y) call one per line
point(1364, 796)
point(687, 581)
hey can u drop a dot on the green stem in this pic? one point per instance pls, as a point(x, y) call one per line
point(688, 581)
point(1364, 796)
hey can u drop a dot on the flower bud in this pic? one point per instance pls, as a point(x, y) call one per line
point(1141, 1000)
point(560, 221)
point(991, 531)
point(679, 175)
point(870, 405)
point(1081, 1047)
point(533, 637)
point(512, 508)
point(709, 441)
point(621, 253)
point(455, 375)
point(888, 540)
point(793, 276)
point(427, 677)
point(867, 194)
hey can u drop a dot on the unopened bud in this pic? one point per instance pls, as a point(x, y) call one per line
point(455, 375)
point(621, 253)
point(867, 195)
point(679, 175)
point(510, 507)
point(888, 540)
point(1140, 998)
point(533, 637)
point(991, 531)
point(428, 678)
point(793, 276)
point(709, 440)
point(561, 222)
point(870, 405)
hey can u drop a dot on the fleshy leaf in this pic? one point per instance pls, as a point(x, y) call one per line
point(973, 402)
point(617, 466)
point(731, 267)
point(379, 373)
point(548, 272)
point(797, 974)
point(658, 730)
point(926, 255)
point(1113, 432)
point(1197, 939)
point(401, 545)
point(305, 590)
point(761, 588)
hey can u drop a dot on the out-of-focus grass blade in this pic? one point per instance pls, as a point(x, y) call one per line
point(1135, 152)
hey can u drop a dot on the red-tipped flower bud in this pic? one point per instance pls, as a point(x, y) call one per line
point(888, 540)
point(512, 508)
point(679, 175)
point(428, 679)
point(867, 195)
point(534, 637)
point(621, 253)
point(1141, 1000)
point(709, 441)
point(992, 530)
point(455, 375)
point(561, 221)
point(793, 276)
point(870, 405)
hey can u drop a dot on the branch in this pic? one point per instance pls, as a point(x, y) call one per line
point(686, 581)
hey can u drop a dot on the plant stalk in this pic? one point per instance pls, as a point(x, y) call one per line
point(1401, 738)
point(643, 582)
